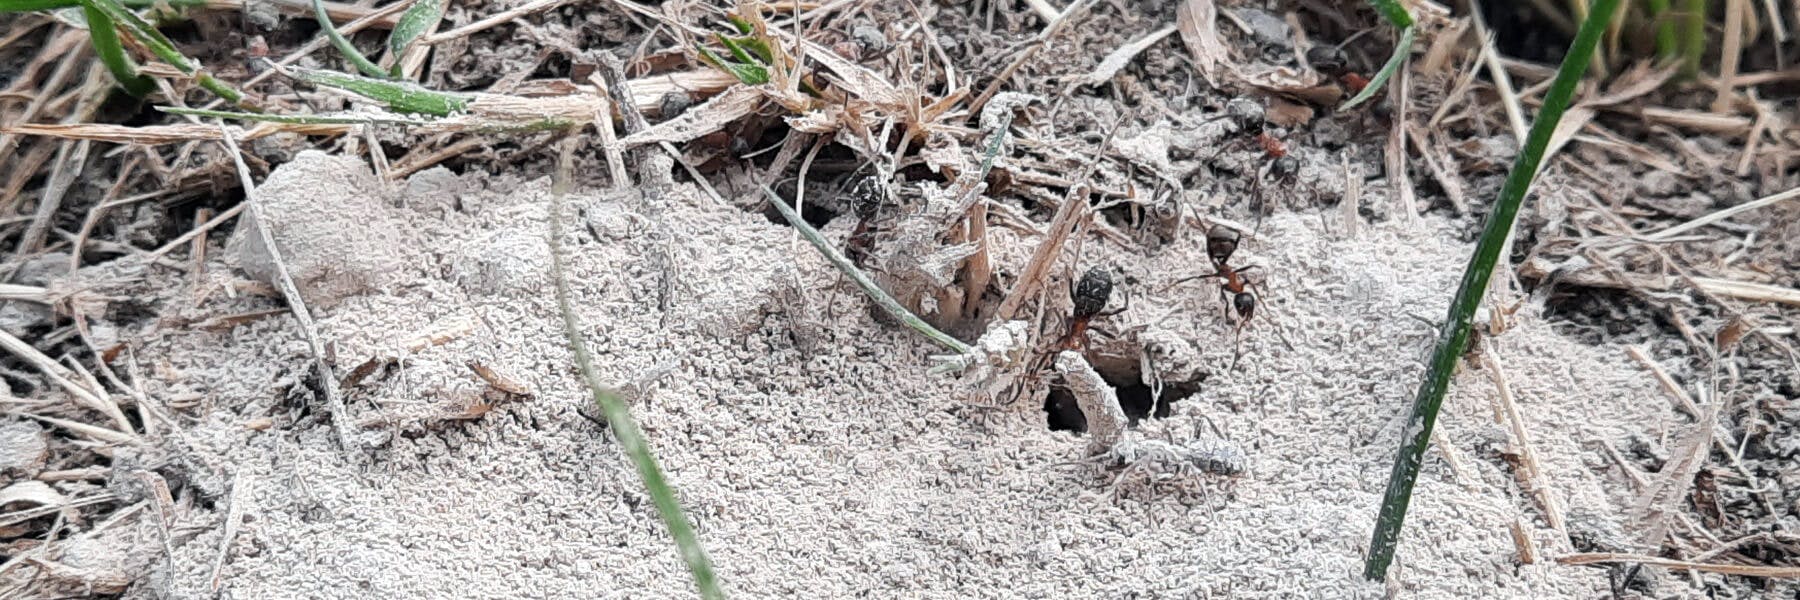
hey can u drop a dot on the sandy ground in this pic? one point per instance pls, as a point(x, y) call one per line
point(815, 454)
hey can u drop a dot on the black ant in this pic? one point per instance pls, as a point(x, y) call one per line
point(1090, 295)
point(1238, 292)
point(866, 198)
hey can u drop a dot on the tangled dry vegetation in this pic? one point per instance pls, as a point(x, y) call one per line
point(1666, 219)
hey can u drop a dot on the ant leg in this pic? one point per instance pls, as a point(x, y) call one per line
point(1187, 279)
point(1126, 307)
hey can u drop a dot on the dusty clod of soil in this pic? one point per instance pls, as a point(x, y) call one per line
point(805, 438)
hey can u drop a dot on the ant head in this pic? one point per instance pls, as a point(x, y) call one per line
point(1247, 114)
point(1285, 167)
point(1092, 292)
point(1329, 60)
point(1221, 241)
point(1245, 304)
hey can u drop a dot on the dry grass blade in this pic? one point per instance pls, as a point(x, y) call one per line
point(1594, 276)
point(328, 381)
point(1664, 495)
point(87, 397)
point(713, 115)
point(1120, 58)
point(1599, 558)
point(1724, 214)
point(1198, 21)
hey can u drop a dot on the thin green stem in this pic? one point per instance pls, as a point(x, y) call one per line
point(1379, 81)
point(1667, 47)
point(1394, 12)
point(104, 35)
point(146, 34)
point(398, 96)
point(1693, 36)
point(343, 44)
point(1453, 335)
point(868, 286)
point(418, 18)
point(618, 416)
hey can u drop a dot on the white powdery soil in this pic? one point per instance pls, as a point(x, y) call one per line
point(814, 453)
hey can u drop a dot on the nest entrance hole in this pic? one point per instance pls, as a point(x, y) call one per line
point(1140, 401)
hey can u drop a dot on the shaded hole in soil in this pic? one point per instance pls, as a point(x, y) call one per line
point(1063, 413)
point(812, 212)
point(1597, 315)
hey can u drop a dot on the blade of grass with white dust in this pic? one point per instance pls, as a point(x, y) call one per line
point(618, 416)
point(343, 45)
point(104, 35)
point(868, 286)
point(1397, 16)
point(159, 45)
point(1453, 334)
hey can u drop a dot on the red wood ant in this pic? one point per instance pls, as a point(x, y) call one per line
point(1250, 118)
point(1090, 295)
point(1235, 289)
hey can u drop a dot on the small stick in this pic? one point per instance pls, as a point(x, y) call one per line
point(1724, 214)
point(1044, 9)
point(340, 419)
point(1682, 400)
point(1106, 420)
point(1729, 54)
point(609, 144)
point(230, 213)
point(502, 17)
point(197, 248)
point(1533, 471)
point(1056, 26)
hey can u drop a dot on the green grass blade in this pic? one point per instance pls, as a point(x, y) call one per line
point(343, 44)
point(618, 416)
point(1667, 47)
point(146, 34)
point(398, 96)
point(420, 17)
point(1453, 334)
point(1397, 16)
point(104, 35)
point(1379, 81)
point(749, 74)
point(1693, 36)
point(1394, 12)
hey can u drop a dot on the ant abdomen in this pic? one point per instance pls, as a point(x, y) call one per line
point(1245, 303)
point(1093, 292)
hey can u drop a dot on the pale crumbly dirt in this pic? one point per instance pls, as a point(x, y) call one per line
point(816, 456)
